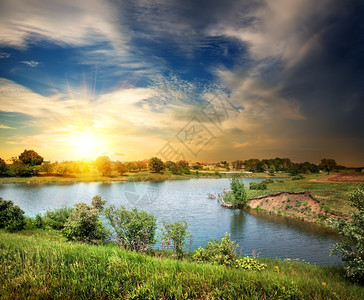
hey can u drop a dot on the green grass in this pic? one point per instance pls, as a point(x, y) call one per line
point(333, 195)
point(41, 264)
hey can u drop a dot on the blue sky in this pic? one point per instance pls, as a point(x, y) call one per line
point(240, 79)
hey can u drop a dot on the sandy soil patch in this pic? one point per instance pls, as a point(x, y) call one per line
point(301, 205)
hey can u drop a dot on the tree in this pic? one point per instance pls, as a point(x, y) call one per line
point(134, 229)
point(156, 165)
point(141, 165)
point(57, 218)
point(84, 225)
point(31, 158)
point(239, 198)
point(272, 170)
point(176, 233)
point(11, 216)
point(120, 167)
point(237, 164)
point(327, 165)
point(351, 248)
point(3, 167)
point(132, 166)
point(104, 165)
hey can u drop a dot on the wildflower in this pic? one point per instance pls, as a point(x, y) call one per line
point(276, 268)
point(324, 283)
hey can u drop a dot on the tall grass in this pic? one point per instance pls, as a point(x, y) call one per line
point(41, 264)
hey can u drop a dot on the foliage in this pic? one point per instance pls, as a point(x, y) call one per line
point(18, 168)
point(31, 158)
point(327, 165)
point(217, 252)
point(38, 221)
point(97, 202)
point(134, 229)
point(257, 186)
point(66, 168)
point(84, 225)
point(268, 180)
point(120, 167)
point(271, 170)
point(3, 167)
point(11, 216)
point(176, 233)
point(239, 192)
point(249, 263)
point(104, 165)
point(298, 177)
point(57, 218)
point(156, 165)
point(351, 249)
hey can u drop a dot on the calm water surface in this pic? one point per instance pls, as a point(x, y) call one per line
point(271, 236)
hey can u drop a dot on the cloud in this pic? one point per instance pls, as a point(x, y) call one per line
point(4, 55)
point(5, 127)
point(30, 63)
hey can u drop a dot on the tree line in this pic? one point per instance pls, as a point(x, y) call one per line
point(30, 163)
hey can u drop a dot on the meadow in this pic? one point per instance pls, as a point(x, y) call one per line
point(42, 264)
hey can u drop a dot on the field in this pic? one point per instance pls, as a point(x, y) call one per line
point(41, 264)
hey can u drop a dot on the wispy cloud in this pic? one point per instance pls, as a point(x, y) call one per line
point(30, 63)
point(5, 127)
point(4, 55)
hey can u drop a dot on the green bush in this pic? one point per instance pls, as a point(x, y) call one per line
point(11, 216)
point(174, 235)
point(224, 253)
point(57, 218)
point(134, 229)
point(268, 180)
point(351, 249)
point(84, 225)
point(298, 177)
point(258, 186)
point(239, 198)
point(39, 222)
point(97, 202)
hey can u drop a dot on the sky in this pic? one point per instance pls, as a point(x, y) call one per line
point(181, 79)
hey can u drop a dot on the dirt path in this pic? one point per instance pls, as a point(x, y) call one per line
point(342, 177)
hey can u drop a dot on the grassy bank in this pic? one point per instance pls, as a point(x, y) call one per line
point(40, 264)
point(333, 195)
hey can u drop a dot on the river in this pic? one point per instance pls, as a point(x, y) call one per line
point(269, 236)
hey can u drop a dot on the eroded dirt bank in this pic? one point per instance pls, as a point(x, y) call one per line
point(300, 205)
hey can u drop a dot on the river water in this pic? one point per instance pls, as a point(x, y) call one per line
point(269, 236)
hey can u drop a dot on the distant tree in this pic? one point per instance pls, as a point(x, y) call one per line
point(18, 168)
point(328, 165)
point(104, 165)
point(173, 168)
point(237, 164)
point(141, 165)
point(271, 170)
point(3, 167)
point(131, 166)
point(156, 165)
point(120, 167)
point(31, 158)
point(184, 166)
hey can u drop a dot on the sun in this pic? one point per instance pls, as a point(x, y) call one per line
point(85, 144)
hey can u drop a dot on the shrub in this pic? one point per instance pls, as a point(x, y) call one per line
point(11, 216)
point(57, 218)
point(134, 229)
point(84, 225)
point(258, 186)
point(176, 233)
point(239, 198)
point(249, 263)
point(97, 202)
point(217, 252)
point(297, 177)
point(268, 180)
point(39, 222)
point(289, 206)
point(351, 248)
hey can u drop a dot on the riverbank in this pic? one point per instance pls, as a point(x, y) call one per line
point(41, 264)
point(332, 196)
point(130, 176)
